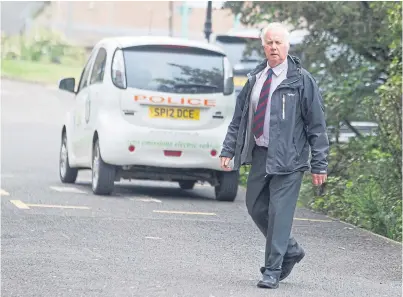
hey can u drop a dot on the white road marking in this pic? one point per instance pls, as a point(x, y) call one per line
point(4, 193)
point(146, 200)
point(151, 237)
point(92, 252)
point(68, 190)
point(19, 204)
point(185, 212)
point(22, 205)
point(58, 206)
point(65, 236)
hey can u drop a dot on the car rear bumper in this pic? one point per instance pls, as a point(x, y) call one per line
point(161, 148)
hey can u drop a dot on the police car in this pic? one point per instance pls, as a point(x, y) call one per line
point(150, 108)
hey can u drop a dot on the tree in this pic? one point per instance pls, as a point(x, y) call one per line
point(342, 50)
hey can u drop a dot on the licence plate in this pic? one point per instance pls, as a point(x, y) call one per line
point(240, 81)
point(176, 113)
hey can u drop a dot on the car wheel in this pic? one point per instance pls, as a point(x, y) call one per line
point(227, 187)
point(103, 174)
point(187, 184)
point(67, 174)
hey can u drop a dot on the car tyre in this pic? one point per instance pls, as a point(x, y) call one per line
point(67, 174)
point(103, 174)
point(187, 184)
point(227, 187)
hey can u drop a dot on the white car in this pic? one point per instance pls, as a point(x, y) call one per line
point(151, 108)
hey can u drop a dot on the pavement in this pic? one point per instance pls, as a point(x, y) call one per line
point(152, 238)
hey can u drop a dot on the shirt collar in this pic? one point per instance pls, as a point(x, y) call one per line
point(278, 69)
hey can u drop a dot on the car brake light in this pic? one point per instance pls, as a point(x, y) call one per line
point(118, 70)
point(228, 77)
point(172, 153)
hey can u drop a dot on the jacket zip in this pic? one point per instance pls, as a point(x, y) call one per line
point(283, 107)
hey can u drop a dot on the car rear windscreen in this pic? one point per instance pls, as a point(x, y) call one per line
point(236, 49)
point(174, 69)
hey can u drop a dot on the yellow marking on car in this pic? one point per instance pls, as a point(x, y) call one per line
point(176, 113)
point(240, 81)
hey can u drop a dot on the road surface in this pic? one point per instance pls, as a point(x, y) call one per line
point(152, 239)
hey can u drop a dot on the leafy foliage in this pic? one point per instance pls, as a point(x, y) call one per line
point(41, 45)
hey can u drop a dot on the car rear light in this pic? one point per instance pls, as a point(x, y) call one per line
point(172, 153)
point(228, 77)
point(118, 70)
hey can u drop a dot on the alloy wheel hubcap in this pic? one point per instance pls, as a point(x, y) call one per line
point(95, 169)
point(63, 159)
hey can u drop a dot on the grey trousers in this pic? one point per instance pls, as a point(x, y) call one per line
point(271, 203)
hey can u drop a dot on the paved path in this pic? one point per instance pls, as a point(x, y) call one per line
point(152, 239)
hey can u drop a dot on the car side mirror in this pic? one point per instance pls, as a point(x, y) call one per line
point(229, 86)
point(67, 84)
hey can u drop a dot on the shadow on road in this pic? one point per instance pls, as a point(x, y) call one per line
point(158, 191)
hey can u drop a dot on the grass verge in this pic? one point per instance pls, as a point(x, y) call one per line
point(40, 72)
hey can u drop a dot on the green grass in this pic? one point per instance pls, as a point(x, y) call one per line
point(41, 72)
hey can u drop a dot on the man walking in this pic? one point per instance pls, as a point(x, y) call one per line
point(279, 116)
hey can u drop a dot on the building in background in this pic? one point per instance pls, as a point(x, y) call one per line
point(17, 16)
point(85, 22)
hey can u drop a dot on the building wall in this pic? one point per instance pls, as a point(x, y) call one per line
point(85, 22)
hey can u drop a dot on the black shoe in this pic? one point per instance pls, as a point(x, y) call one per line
point(269, 281)
point(288, 265)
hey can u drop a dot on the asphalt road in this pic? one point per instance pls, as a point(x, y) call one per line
point(152, 239)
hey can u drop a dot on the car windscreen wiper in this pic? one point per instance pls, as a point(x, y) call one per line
point(195, 86)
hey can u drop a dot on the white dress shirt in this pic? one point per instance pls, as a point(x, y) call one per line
point(279, 74)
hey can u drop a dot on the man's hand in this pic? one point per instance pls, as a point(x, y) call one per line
point(318, 179)
point(225, 163)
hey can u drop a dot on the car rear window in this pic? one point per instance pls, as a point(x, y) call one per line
point(174, 69)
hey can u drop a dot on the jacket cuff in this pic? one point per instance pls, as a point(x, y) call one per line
point(226, 154)
point(318, 171)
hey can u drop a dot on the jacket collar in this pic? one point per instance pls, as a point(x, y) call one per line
point(294, 67)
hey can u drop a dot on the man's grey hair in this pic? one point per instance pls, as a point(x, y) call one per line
point(275, 26)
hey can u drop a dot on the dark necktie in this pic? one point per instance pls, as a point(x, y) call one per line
point(260, 113)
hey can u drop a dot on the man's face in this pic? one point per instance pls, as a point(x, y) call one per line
point(275, 47)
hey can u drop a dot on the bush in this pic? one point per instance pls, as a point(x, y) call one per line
point(365, 192)
point(42, 45)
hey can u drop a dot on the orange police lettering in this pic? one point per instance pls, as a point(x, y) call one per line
point(170, 101)
point(157, 99)
point(208, 102)
point(137, 97)
point(175, 101)
point(191, 100)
